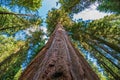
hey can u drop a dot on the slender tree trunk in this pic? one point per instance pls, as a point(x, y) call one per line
point(59, 60)
point(111, 45)
point(94, 52)
point(92, 42)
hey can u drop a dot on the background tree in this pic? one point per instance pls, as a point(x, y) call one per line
point(28, 5)
point(109, 6)
point(12, 22)
point(14, 52)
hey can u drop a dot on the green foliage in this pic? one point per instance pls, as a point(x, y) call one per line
point(68, 5)
point(29, 5)
point(107, 27)
point(11, 23)
point(76, 6)
point(95, 68)
point(8, 46)
point(75, 30)
point(55, 16)
point(109, 6)
point(12, 54)
point(16, 77)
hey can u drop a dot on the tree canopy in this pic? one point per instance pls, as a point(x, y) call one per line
point(22, 4)
point(76, 6)
point(56, 16)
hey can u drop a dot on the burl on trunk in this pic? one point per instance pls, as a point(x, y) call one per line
point(59, 60)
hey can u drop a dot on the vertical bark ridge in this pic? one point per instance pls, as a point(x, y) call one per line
point(59, 60)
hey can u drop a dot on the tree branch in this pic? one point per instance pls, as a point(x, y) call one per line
point(10, 13)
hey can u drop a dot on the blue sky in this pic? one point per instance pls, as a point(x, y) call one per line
point(91, 13)
point(46, 6)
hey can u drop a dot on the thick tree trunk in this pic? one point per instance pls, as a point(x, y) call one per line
point(59, 60)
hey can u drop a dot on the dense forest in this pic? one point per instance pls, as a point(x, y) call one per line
point(98, 41)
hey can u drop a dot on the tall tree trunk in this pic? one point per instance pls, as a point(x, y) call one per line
point(59, 60)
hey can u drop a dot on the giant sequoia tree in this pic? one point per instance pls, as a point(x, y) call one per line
point(59, 60)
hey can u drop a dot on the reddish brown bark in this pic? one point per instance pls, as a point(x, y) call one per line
point(59, 60)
